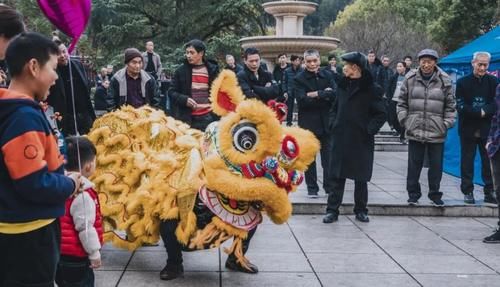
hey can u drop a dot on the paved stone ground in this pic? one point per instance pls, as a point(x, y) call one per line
point(388, 184)
point(388, 251)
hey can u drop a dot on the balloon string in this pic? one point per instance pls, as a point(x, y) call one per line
point(77, 133)
point(73, 45)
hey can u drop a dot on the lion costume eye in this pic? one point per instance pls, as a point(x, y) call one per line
point(245, 136)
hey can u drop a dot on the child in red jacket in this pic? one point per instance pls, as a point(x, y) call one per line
point(81, 226)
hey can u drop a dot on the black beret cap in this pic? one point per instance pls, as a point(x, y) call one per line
point(355, 58)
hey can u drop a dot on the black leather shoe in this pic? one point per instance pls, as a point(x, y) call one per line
point(469, 198)
point(171, 272)
point(330, 217)
point(363, 217)
point(412, 201)
point(490, 199)
point(494, 238)
point(232, 264)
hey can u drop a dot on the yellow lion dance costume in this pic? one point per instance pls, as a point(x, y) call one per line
point(152, 168)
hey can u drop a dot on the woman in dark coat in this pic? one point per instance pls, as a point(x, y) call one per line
point(392, 95)
point(356, 116)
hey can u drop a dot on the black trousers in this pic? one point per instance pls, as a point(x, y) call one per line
point(84, 122)
point(416, 153)
point(392, 118)
point(201, 122)
point(174, 248)
point(495, 170)
point(335, 197)
point(467, 156)
point(311, 173)
point(30, 259)
point(74, 272)
point(290, 103)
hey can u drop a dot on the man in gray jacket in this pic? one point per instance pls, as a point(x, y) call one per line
point(426, 109)
point(152, 61)
point(132, 85)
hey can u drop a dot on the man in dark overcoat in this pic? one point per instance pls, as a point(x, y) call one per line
point(315, 91)
point(61, 98)
point(356, 116)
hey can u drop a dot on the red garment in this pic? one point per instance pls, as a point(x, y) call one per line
point(70, 242)
point(200, 89)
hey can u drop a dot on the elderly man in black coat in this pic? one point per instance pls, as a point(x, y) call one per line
point(356, 116)
point(315, 92)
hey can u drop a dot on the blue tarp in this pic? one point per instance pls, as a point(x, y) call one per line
point(460, 60)
point(458, 64)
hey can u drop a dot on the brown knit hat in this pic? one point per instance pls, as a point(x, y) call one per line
point(132, 53)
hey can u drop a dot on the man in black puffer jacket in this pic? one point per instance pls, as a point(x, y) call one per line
point(255, 81)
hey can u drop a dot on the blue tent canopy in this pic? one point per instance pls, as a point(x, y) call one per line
point(458, 64)
point(460, 60)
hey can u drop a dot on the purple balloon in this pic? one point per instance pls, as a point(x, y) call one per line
point(69, 16)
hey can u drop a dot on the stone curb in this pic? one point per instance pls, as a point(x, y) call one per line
point(403, 210)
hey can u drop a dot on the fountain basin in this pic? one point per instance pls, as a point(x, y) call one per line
point(271, 46)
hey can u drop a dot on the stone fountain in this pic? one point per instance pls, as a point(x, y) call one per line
point(289, 38)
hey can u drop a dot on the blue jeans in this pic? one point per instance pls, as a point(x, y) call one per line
point(495, 171)
point(290, 102)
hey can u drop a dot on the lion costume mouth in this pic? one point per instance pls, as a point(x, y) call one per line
point(240, 214)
